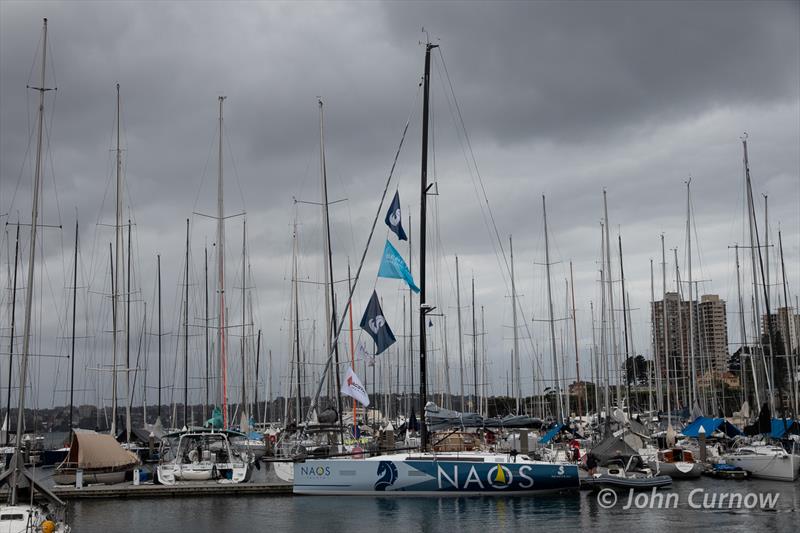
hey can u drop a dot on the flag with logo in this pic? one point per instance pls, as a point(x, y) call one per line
point(393, 266)
point(363, 355)
point(352, 387)
point(394, 219)
point(375, 325)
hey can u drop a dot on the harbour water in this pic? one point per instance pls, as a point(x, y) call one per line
point(576, 512)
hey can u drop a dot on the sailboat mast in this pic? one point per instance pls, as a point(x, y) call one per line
point(128, 342)
point(205, 330)
point(11, 341)
point(74, 309)
point(158, 263)
point(186, 335)
point(610, 283)
point(31, 261)
point(692, 306)
point(474, 344)
point(115, 274)
point(575, 338)
point(667, 356)
point(423, 304)
point(223, 398)
point(296, 343)
point(244, 324)
point(330, 304)
point(556, 380)
point(625, 328)
point(515, 381)
point(460, 336)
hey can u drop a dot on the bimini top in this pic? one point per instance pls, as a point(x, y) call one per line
point(91, 450)
point(710, 425)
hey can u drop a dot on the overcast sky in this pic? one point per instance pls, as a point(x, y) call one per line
point(560, 99)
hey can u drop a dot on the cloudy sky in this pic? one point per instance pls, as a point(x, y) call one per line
point(558, 99)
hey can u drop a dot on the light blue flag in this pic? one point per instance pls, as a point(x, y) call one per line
point(393, 266)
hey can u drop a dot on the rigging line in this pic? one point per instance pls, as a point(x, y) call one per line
point(204, 174)
point(378, 212)
point(475, 164)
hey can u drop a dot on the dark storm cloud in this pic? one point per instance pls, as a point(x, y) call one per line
point(560, 99)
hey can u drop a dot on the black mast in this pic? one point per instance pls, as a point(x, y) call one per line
point(74, 307)
point(11, 343)
point(423, 305)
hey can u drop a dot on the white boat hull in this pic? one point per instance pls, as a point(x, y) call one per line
point(783, 467)
point(411, 476)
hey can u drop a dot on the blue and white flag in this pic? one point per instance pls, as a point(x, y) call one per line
point(393, 266)
point(394, 219)
point(375, 325)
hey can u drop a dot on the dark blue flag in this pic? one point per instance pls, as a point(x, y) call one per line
point(375, 324)
point(394, 219)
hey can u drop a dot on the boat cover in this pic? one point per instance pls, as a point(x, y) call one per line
point(91, 450)
point(710, 425)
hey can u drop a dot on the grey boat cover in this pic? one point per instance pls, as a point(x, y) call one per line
point(612, 448)
point(438, 418)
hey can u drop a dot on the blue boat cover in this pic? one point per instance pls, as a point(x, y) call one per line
point(550, 435)
point(780, 430)
point(710, 425)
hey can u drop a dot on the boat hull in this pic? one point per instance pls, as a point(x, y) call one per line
point(89, 478)
point(678, 470)
point(775, 467)
point(384, 476)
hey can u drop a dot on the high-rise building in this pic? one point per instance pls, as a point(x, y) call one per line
point(713, 332)
point(709, 334)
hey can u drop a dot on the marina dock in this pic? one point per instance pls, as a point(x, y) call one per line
point(184, 490)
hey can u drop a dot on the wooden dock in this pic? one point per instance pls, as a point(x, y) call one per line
point(183, 490)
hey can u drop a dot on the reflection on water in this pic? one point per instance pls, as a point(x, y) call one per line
point(431, 514)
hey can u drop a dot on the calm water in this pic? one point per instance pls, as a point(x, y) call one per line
point(404, 514)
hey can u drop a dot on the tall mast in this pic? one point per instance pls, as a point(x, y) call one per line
point(128, 342)
point(556, 379)
point(244, 418)
point(117, 267)
point(594, 365)
point(667, 356)
point(255, 389)
point(625, 327)
point(11, 341)
point(515, 382)
point(74, 309)
point(484, 409)
point(158, 409)
point(753, 253)
point(575, 338)
point(610, 283)
point(26, 339)
point(330, 304)
point(223, 364)
point(296, 342)
point(655, 348)
point(692, 365)
point(678, 390)
point(460, 336)
point(423, 304)
point(205, 331)
point(186, 335)
point(474, 344)
point(352, 346)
